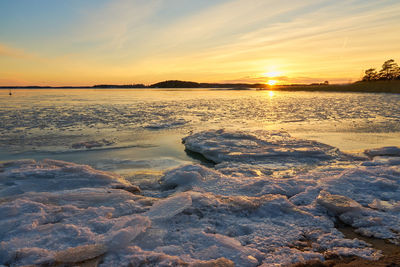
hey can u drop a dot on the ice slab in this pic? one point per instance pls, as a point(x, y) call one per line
point(382, 160)
point(165, 209)
point(364, 184)
point(263, 147)
point(367, 198)
point(200, 178)
point(48, 175)
point(80, 253)
point(383, 151)
point(337, 204)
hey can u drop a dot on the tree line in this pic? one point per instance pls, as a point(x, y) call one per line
point(390, 71)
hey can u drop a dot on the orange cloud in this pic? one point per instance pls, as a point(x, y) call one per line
point(7, 51)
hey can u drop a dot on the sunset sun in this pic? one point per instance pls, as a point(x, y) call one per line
point(272, 76)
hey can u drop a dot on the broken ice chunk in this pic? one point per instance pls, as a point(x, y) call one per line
point(385, 205)
point(124, 231)
point(80, 253)
point(337, 204)
point(168, 208)
point(383, 151)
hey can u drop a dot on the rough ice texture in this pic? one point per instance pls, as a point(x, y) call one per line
point(58, 211)
point(249, 210)
point(92, 144)
point(263, 147)
point(23, 176)
point(37, 120)
point(384, 151)
point(166, 124)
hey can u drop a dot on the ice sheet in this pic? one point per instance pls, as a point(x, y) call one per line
point(59, 212)
point(262, 147)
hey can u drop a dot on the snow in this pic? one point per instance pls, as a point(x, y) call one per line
point(51, 175)
point(165, 209)
point(64, 212)
point(337, 204)
point(383, 151)
point(270, 200)
point(262, 147)
point(80, 253)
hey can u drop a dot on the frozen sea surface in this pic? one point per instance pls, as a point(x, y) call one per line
point(128, 127)
point(249, 209)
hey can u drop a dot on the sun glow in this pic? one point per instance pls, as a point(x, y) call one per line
point(272, 74)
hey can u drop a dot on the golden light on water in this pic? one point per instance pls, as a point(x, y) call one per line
point(271, 93)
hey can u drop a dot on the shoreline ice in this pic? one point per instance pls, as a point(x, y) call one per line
point(270, 200)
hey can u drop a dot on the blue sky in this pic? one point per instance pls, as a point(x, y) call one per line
point(128, 41)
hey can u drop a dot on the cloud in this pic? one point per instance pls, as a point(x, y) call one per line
point(281, 80)
point(8, 51)
point(112, 23)
point(126, 41)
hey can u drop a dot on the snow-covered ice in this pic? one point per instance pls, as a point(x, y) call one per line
point(270, 200)
point(263, 147)
point(383, 151)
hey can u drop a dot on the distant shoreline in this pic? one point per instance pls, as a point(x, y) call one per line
point(361, 87)
point(368, 87)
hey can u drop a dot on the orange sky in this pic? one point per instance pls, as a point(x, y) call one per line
point(135, 41)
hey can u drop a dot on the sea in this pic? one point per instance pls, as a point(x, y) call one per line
point(131, 129)
point(195, 176)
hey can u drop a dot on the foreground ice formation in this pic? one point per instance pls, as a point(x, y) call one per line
point(263, 147)
point(383, 151)
point(247, 210)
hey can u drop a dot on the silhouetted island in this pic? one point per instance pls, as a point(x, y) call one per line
point(187, 84)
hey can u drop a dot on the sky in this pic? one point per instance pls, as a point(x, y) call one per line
point(87, 42)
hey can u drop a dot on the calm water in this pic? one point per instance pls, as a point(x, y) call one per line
point(132, 130)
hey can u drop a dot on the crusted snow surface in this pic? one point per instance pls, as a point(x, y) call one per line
point(368, 198)
point(266, 214)
point(54, 212)
point(383, 151)
point(262, 147)
point(23, 176)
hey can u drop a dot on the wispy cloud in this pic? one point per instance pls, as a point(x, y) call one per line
point(305, 43)
point(115, 21)
point(8, 51)
point(215, 40)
